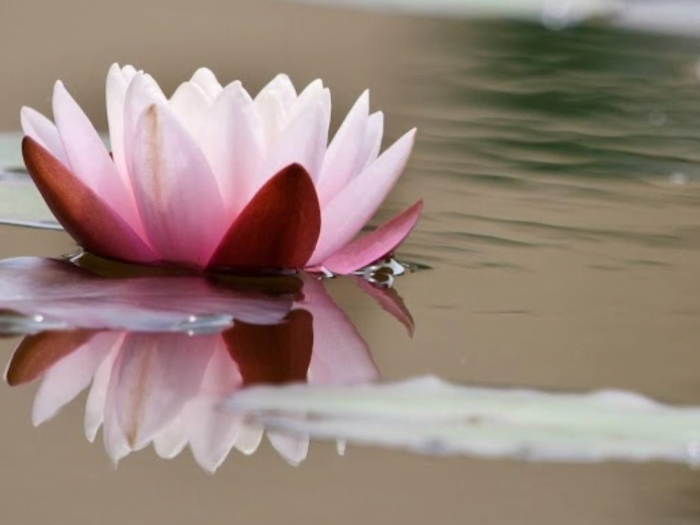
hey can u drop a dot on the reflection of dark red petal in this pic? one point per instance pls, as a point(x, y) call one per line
point(92, 223)
point(278, 228)
point(390, 301)
point(275, 354)
point(37, 353)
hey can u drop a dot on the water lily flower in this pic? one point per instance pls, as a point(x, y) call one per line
point(213, 178)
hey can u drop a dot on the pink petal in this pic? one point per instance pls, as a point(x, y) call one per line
point(233, 143)
point(88, 158)
point(371, 143)
point(84, 214)
point(376, 244)
point(278, 228)
point(340, 160)
point(141, 94)
point(346, 214)
point(118, 80)
point(176, 192)
point(44, 132)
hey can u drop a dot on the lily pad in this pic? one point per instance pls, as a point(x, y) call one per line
point(431, 416)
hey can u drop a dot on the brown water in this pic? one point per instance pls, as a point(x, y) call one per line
point(562, 223)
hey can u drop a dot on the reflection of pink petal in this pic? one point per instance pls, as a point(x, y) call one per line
point(375, 244)
point(390, 301)
point(294, 449)
point(154, 378)
point(278, 228)
point(340, 355)
point(71, 375)
point(84, 214)
point(38, 353)
point(62, 292)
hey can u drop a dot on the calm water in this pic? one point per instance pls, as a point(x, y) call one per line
point(562, 224)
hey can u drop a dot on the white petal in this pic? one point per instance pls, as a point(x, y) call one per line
point(171, 440)
point(206, 80)
point(272, 115)
point(293, 449)
point(118, 80)
point(249, 438)
point(232, 140)
point(371, 143)
point(42, 130)
point(303, 141)
point(283, 87)
point(191, 105)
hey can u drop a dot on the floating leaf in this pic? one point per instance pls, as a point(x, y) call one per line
point(430, 416)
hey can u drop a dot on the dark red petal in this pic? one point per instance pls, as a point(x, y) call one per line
point(86, 217)
point(37, 353)
point(273, 354)
point(277, 229)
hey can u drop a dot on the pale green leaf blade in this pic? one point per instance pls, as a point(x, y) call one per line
point(431, 416)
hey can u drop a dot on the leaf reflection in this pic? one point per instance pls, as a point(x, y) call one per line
point(150, 380)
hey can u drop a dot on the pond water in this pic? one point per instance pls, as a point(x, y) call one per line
point(561, 178)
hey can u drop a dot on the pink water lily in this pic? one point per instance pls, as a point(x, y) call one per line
point(212, 177)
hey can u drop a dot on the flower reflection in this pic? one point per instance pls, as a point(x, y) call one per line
point(165, 388)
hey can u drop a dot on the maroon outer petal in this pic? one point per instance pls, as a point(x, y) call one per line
point(278, 228)
point(273, 354)
point(37, 353)
point(86, 217)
